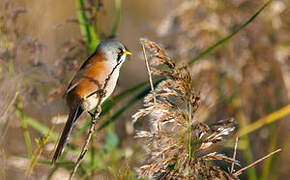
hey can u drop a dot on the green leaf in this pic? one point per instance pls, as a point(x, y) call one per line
point(20, 114)
point(269, 162)
point(87, 30)
point(112, 141)
point(109, 104)
point(222, 41)
point(40, 128)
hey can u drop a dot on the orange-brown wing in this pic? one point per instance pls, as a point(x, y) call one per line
point(90, 77)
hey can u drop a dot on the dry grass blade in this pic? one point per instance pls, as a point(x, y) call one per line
point(239, 172)
point(4, 114)
point(148, 68)
point(235, 152)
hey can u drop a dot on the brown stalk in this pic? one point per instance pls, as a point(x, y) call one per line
point(148, 69)
point(239, 172)
point(235, 152)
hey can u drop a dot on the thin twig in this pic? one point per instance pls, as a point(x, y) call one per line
point(148, 69)
point(10, 104)
point(101, 94)
point(235, 152)
point(85, 146)
point(3, 115)
point(239, 172)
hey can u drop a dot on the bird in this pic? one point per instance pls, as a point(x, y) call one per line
point(100, 69)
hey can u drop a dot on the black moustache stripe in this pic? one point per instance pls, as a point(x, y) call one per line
point(119, 57)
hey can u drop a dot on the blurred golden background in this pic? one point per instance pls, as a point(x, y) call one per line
point(247, 77)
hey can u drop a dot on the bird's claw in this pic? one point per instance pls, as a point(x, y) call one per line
point(102, 93)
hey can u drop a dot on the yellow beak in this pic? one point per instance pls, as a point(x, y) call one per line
point(127, 53)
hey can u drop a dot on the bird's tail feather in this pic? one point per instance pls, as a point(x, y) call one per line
point(66, 132)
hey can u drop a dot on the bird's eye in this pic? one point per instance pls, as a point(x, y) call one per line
point(120, 51)
point(120, 54)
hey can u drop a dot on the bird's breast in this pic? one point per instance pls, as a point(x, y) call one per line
point(89, 80)
point(92, 101)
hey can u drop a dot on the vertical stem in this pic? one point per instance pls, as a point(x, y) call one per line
point(268, 162)
point(148, 70)
point(4, 44)
point(235, 152)
point(87, 30)
point(189, 135)
point(82, 18)
point(93, 152)
point(247, 151)
point(10, 67)
point(117, 18)
point(189, 143)
point(20, 114)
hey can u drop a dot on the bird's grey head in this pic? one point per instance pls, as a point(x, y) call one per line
point(114, 51)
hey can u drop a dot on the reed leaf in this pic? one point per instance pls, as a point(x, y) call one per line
point(88, 31)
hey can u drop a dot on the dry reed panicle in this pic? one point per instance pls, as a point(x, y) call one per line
point(178, 145)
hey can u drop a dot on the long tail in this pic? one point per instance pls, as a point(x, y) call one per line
point(73, 116)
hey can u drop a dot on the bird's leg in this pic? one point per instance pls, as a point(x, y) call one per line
point(96, 113)
point(102, 93)
point(98, 110)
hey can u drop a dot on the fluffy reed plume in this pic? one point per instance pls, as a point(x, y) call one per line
point(178, 145)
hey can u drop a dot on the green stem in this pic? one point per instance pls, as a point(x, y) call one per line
point(93, 153)
point(117, 18)
point(82, 18)
point(10, 67)
point(20, 114)
point(268, 162)
point(87, 30)
point(247, 151)
point(139, 96)
point(220, 42)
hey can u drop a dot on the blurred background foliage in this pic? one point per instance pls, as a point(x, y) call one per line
point(42, 44)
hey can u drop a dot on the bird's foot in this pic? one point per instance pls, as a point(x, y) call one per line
point(101, 93)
